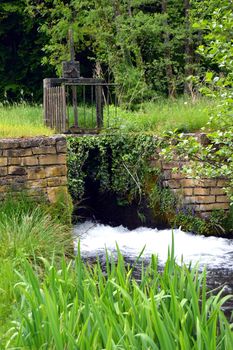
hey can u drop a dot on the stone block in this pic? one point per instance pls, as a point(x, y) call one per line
point(61, 146)
point(28, 161)
point(40, 183)
point(177, 176)
point(9, 143)
point(213, 206)
point(20, 152)
point(37, 192)
point(187, 191)
point(52, 159)
point(189, 200)
point(217, 191)
point(17, 170)
point(202, 191)
point(171, 184)
point(222, 199)
point(34, 173)
point(222, 183)
point(3, 161)
point(44, 150)
point(54, 193)
point(55, 171)
point(189, 183)
point(204, 199)
point(57, 181)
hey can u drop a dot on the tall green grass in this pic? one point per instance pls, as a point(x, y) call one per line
point(166, 115)
point(80, 307)
point(27, 232)
point(22, 120)
point(155, 116)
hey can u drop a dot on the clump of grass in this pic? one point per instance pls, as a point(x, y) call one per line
point(156, 116)
point(80, 307)
point(165, 115)
point(22, 120)
point(27, 231)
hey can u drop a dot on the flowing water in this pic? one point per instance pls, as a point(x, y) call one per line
point(214, 253)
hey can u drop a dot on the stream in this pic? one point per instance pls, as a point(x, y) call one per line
point(213, 252)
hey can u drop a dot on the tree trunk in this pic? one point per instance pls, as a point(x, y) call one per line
point(188, 51)
point(168, 56)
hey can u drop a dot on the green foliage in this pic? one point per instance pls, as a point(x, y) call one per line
point(214, 157)
point(218, 224)
point(22, 120)
point(134, 42)
point(28, 231)
point(80, 306)
point(20, 54)
point(119, 163)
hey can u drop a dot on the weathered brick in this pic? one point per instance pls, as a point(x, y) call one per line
point(202, 191)
point(40, 183)
point(213, 206)
point(37, 192)
point(8, 144)
point(34, 173)
point(217, 191)
point(171, 184)
point(187, 191)
point(52, 159)
point(222, 199)
point(20, 152)
point(57, 181)
point(222, 183)
point(44, 150)
point(177, 176)
point(54, 193)
point(33, 160)
point(189, 183)
point(16, 170)
point(3, 161)
point(61, 146)
point(189, 200)
point(55, 171)
point(204, 199)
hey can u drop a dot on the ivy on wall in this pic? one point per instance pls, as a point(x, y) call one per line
point(119, 163)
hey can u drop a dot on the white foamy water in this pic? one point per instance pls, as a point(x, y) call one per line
point(210, 251)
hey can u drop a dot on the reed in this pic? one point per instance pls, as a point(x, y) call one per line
point(27, 232)
point(81, 307)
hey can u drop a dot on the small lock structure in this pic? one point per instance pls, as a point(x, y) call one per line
point(74, 104)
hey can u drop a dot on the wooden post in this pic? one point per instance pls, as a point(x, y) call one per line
point(99, 106)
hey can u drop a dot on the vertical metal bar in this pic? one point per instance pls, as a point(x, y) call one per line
point(92, 105)
point(63, 109)
point(115, 108)
point(99, 106)
point(67, 106)
point(75, 105)
point(84, 105)
point(108, 105)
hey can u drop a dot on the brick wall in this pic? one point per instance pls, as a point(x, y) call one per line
point(201, 196)
point(35, 165)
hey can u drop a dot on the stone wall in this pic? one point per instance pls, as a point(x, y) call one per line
point(34, 165)
point(200, 196)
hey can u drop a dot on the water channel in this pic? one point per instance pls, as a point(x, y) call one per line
point(213, 252)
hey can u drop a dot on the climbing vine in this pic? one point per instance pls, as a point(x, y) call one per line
point(118, 163)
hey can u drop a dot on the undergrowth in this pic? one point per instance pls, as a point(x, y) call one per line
point(78, 306)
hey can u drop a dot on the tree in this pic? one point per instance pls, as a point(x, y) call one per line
point(214, 159)
point(20, 54)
